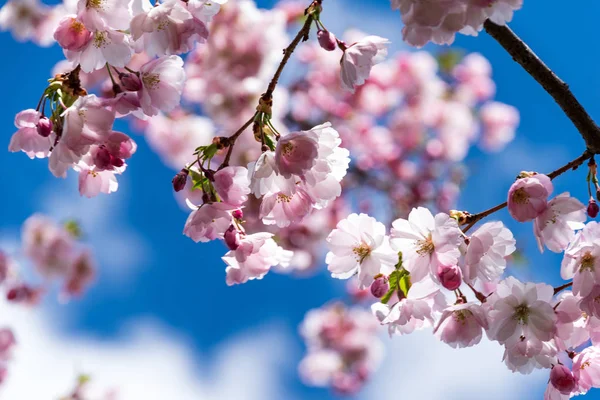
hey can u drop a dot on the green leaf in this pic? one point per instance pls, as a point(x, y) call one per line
point(404, 284)
point(198, 180)
point(210, 151)
point(73, 228)
point(269, 142)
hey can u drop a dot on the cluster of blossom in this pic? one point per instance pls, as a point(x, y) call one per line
point(343, 347)
point(439, 21)
point(106, 34)
point(56, 255)
point(425, 258)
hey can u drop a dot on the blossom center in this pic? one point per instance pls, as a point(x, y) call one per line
point(76, 26)
point(425, 246)
point(284, 198)
point(522, 313)
point(151, 81)
point(520, 196)
point(587, 262)
point(97, 4)
point(461, 316)
point(101, 39)
point(287, 148)
point(361, 252)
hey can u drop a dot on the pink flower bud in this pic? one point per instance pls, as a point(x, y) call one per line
point(72, 34)
point(101, 158)
point(232, 238)
point(238, 214)
point(380, 287)
point(326, 40)
point(563, 379)
point(44, 127)
point(592, 209)
point(116, 161)
point(130, 82)
point(180, 180)
point(450, 276)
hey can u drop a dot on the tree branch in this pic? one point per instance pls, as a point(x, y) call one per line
point(472, 219)
point(555, 87)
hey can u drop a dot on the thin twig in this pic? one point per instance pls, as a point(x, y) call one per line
point(231, 141)
point(472, 219)
point(555, 87)
point(563, 287)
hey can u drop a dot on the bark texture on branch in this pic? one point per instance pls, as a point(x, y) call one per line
point(558, 89)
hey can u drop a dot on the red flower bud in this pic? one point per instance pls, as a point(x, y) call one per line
point(450, 276)
point(563, 379)
point(130, 82)
point(326, 40)
point(44, 127)
point(180, 180)
point(380, 287)
point(238, 214)
point(592, 208)
point(232, 238)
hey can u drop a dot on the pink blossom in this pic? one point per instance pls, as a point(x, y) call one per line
point(487, 251)
point(450, 276)
point(414, 312)
point(99, 15)
point(71, 34)
point(498, 11)
point(296, 153)
point(500, 122)
point(255, 255)
point(106, 46)
point(572, 326)
point(82, 272)
point(583, 267)
point(319, 367)
point(208, 222)
point(552, 393)
point(590, 303)
point(526, 355)
point(359, 245)
point(555, 226)
point(359, 58)
point(426, 242)
point(528, 196)
point(521, 310)
point(232, 185)
point(586, 368)
point(563, 379)
point(283, 209)
point(22, 17)
point(162, 83)
point(462, 325)
point(27, 139)
point(327, 40)
point(48, 245)
point(167, 29)
point(92, 183)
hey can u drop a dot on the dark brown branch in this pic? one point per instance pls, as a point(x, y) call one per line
point(472, 219)
point(302, 35)
point(563, 287)
point(555, 87)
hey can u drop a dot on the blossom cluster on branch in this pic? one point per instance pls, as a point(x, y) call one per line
point(284, 168)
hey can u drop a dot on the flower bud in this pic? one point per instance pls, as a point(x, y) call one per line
point(238, 214)
point(563, 379)
point(72, 34)
point(380, 287)
point(450, 276)
point(116, 161)
point(44, 127)
point(180, 180)
point(101, 158)
point(326, 40)
point(592, 208)
point(130, 82)
point(232, 238)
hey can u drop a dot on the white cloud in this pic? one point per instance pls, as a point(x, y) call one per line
point(147, 362)
point(419, 366)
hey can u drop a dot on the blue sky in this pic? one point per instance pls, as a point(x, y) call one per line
point(152, 276)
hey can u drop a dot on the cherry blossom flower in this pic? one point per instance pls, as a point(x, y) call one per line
point(22, 17)
point(92, 183)
point(208, 222)
point(99, 15)
point(282, 209)
point(71, 34)
point(415, 311)
point(487, 251)
point(583, 267)
point(590, 303)
point(296, 153)
point(426, 242)
point(586, 368)
point(524, 356)
point(498, 11)
point(27, 139)
point(359, 58)
point(359, 245)
point(499, 124)
point(167, 29)
point(162, 83)
point(232, 185)
point(555, 226)
point(462, 325)
point(255, 255)
point(521, 310)
point(106, 46)
point(563, 379)
point(528, 196)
